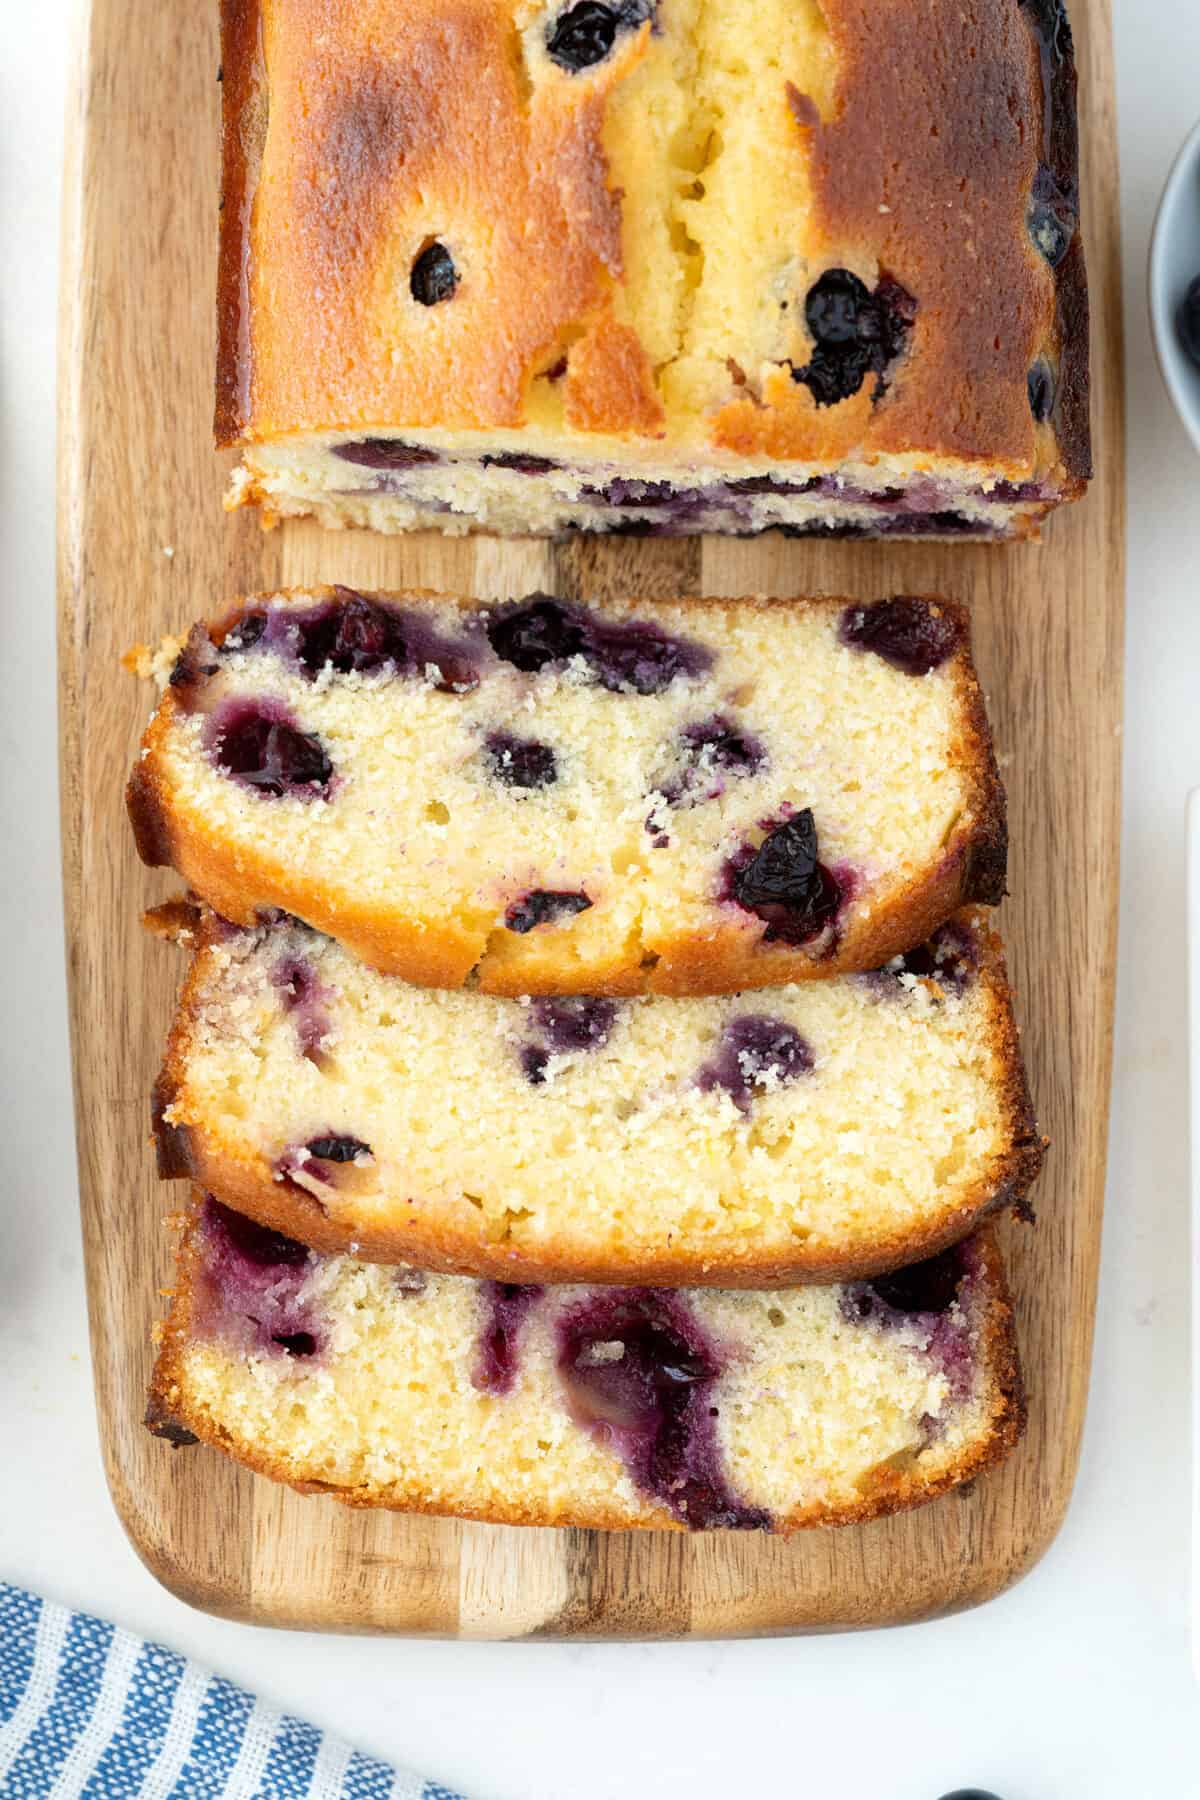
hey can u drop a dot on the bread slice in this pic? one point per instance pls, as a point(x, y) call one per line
point(829, 1129)
point(593, 1407)
point(695, 797)
point(653, 265)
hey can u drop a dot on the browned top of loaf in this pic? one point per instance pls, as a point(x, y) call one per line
point(382, 112)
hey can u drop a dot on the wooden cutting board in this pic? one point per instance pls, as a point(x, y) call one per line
point(145, 548)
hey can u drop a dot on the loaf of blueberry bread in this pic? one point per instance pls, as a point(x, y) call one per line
point(689, 797)
point(611, 1407)
point(822, 1130)
point(653, 265)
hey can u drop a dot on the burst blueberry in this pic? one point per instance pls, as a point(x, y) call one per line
point(385, 453)
point(755, 1054)
point(520, 762)
point(855, 332)
point(908, 632)
point(534, 634)
point(585, 33)
point(337, 1149)
point(543, 906)
point(258, 743)
point(785, 884)
point(434, 276)
point(640, 1374)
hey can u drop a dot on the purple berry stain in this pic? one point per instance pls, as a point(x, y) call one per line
point(909, 633)
point(507, 1306)
point(252, 1279)
point(926, 1295)
point(756, 1054)
point(304, 998)
point(949, 958)
point(566, 1025)
point(784, 883)
point(259, 743)
point(520, 762)
point(707, 755)
point(385, 453)
point(541, 632)
point(543, 906)
point(639, 1374)
point(357, 634)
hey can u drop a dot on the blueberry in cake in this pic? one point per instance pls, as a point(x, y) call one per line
point(545, 265)
point(808, 1133)
point(691, 797)
point(609, 1407)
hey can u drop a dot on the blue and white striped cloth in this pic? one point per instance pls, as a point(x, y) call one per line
point(89, 1710)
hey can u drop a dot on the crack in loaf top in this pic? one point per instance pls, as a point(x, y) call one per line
point(434, 219)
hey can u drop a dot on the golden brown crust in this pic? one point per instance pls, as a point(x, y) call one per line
point(888, 1489)
point(729, 956)
point(390, 122)
point(439, 1237)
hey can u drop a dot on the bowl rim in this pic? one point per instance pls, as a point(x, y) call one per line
point(1181, 380)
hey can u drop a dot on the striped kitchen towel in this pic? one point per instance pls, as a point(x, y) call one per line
point(87, 1709)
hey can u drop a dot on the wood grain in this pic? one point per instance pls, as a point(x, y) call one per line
point(145, 548)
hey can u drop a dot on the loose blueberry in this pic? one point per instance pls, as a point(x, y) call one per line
point(855, 333)
point(1188, 321)
point(756, 1053)
point(385, 453)
point(970, 1794)
point(537, 632)
point(258, 1244)
point(784, 883)
point(258, 743)
point(434, 276)
point(1041, 391)
point(508, 1305)
point(337, 1149)
point(542, 906)
point(520, 762)
point(639, 1374)
point(906, 631)
point(584, 34)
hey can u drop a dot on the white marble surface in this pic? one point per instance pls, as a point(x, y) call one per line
point(1076, 1685)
